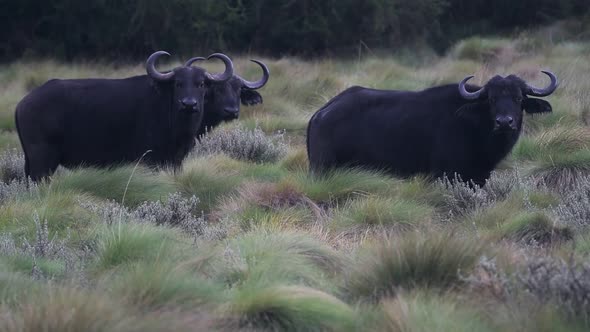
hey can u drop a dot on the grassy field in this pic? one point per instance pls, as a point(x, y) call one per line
point(245, 239)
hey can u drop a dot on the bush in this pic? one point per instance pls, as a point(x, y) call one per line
point(242, 144)
point(12, 166)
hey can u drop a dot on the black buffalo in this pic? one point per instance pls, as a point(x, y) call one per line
point(222, 100)
point(438, 131)
point(102, 122)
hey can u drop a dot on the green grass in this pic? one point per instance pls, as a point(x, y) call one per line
point(341, 184)
point(159, 284)
point(290, 308)
point(412, 260)
point(533, 227)
point(373, 211)
point(123, 244)
point(126, 184)
point(422, 312)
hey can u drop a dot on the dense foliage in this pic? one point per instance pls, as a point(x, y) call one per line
point(118, 29)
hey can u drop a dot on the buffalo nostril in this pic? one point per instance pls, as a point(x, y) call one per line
point(510, 120)
point(189, 102)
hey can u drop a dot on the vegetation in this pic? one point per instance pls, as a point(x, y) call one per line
point(243, 238)
point(300, 27)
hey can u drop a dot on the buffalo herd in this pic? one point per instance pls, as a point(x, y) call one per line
point(450, 130)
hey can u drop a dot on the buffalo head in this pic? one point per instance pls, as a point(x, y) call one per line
point(223, 98)
point(188, 83)
point(507, 97)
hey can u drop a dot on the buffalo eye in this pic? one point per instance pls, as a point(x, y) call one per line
point(201, 84)
point(518, 99)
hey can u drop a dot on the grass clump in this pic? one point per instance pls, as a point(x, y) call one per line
point(127, 243)
point(340, 184)
point(159, 285)
point(533, 228)
point(242, 144)
point(204, 180)
point(422, 312)
point(123, 184)
point(562, 172)
point(73, 309)
point(262, 258)
point(380, 211)
point(412, 261)
point(290, 308)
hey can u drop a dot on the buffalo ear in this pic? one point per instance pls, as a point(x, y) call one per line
point(535, 105)
point(250, 97)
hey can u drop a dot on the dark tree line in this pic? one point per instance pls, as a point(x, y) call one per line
point(119, 29)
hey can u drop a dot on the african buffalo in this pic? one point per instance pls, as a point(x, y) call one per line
point(102, 122)
point(438, 131)
point(222, 100)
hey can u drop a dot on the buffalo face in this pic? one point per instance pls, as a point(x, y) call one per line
point(507, 97)
point(223, 98)
point(189, 84)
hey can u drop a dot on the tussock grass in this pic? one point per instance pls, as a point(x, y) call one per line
point(135, 185)
point(296, 160)
point(262, 257)
point(376, 211)
point(421, 311)
point(15, 287)
point(562, 172)
point(206, 182)
point(414, 260)
point(72, 309)
point(157, 285)
point(60, 209)
point(127, 243)
point(290, 308)
point(534, 228)
point(269, 204)
point(342, 183)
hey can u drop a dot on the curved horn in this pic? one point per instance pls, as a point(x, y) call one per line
point(229, 68)
point(537, 92)
point(190, 61)
point(150, 66)
point(261, 82)
point(468, 95)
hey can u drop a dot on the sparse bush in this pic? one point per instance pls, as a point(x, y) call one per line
point(17, 188)
point(565, 284)
point(43, 257)
point(574, 209)
point(242, 144)
point(177, 211)
point(12, 166)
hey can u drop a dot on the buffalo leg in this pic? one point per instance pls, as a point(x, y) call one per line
point(41, 161)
